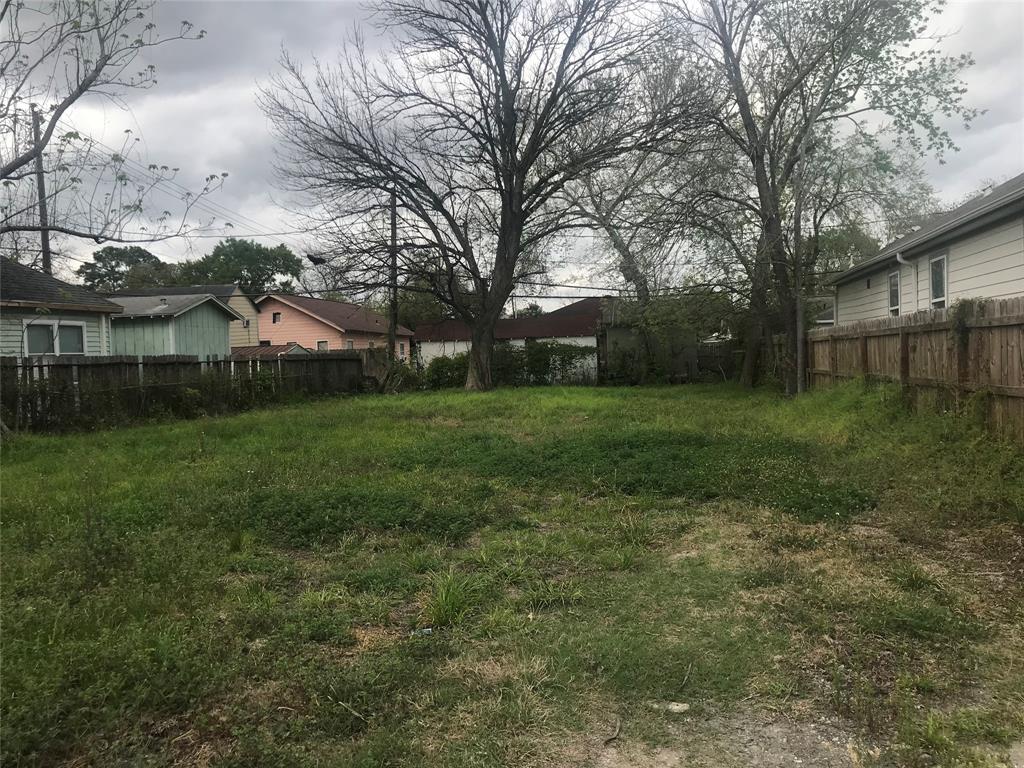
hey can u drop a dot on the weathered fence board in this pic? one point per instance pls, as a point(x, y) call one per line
point(975, 349)
point(59, 393)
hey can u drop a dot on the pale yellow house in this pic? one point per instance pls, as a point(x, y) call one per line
point(973, 251)
point(244, 332)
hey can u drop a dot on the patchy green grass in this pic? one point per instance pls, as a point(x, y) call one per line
point(495, 579)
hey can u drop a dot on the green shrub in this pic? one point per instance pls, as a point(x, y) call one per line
point(538, 362)
point(446, 372)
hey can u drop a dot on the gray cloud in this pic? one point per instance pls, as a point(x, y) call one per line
point(203, 117)
point(993, 32)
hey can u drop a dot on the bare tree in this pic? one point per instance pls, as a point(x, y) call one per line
point(793, 70)
point(478, 117)
point(53, 55)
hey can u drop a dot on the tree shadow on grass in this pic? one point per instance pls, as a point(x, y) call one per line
point(762, 470)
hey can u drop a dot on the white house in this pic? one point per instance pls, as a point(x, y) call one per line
point(974, 251)
point(575, 323)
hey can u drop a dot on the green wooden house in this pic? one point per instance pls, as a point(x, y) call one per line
point(41, 315)
point(183, 324)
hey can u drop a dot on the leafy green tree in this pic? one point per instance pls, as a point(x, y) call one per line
point(151, 275)
point(255, 267)
point(530, 310)
point(796, 75)
point(111, 265)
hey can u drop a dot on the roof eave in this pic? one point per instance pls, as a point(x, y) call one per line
point(314, 315)
point(101, 308)
point(955, 230)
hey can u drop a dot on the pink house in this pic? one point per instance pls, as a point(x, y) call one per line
point(323, 325)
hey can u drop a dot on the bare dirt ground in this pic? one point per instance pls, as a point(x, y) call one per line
point(740, 740)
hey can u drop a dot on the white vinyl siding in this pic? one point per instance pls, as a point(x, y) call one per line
point(856, 301)
point(987, 265)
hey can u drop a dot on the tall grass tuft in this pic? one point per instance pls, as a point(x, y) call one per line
point(450, 597)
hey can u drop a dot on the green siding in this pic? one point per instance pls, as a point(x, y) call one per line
point(11, 329)
point(141, 336)
point(203, 331)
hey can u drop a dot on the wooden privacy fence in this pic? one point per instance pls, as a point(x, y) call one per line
point(974, 349)
point(59, 393)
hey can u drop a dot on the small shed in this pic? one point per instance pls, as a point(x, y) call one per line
point(183, 324)
point(243, 333)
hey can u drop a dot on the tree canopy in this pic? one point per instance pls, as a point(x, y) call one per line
point(111, 266)
point(255, 267)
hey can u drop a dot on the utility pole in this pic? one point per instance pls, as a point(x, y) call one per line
point(393, 280)
point(801, 333)
point(44, 232)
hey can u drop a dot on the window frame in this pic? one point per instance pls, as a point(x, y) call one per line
point(275, 318)
point(325, 342)
point(932, 301)
point(899, 293)
point(54, 326)
point(350, 344)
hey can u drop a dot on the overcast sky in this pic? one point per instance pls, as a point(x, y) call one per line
point(202, 115)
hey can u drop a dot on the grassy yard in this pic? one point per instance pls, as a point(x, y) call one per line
point(713, 576)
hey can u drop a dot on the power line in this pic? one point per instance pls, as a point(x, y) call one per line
point(209, 206)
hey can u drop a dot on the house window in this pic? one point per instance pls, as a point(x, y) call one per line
point(894, 293)
point(868, 283)
point(401, 350)
point(55, 339)
point(371, 345)
point(71, 340)
point(264, 342)
point(321, 346)
point(245, 323)
point(938, 281)
point(275, 318)
point(350, 345)
point(39, 340)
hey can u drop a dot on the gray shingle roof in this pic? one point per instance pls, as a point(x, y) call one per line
point(1002, 196)
point(24, 286)
point(576, 320)
point(165, 305)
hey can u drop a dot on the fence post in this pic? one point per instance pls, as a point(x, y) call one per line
point(904, 373)
point(833, 359)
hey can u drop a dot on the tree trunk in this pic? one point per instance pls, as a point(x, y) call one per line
point(788, 308)
point(482, 346)
point(751, 351)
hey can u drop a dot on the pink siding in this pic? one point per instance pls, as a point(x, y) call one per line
point(296, 326)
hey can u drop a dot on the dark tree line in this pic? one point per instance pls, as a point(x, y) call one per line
point(255, 267)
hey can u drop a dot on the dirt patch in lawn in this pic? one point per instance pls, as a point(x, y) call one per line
point(739, 740)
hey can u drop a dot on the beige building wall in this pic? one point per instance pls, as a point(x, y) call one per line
point(988, 265)
point(243, 335)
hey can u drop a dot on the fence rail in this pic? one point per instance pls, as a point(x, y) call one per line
point(58, 393)
point(976, 348)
